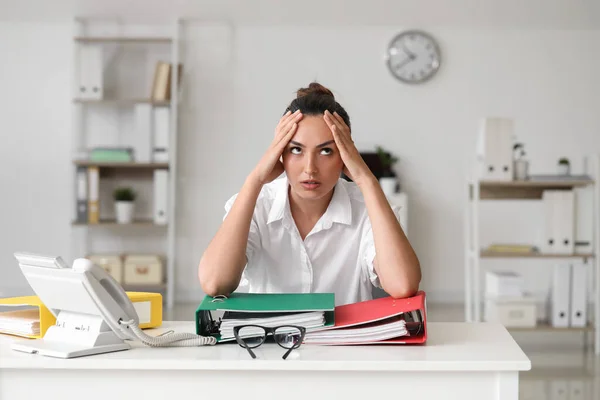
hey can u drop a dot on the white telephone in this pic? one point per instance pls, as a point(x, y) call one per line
point(93, 313)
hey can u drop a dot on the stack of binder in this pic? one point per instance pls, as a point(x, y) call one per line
point(494, 149)
point(568, 219)
point(310, 310)
point(567, 303)
point(381, 321)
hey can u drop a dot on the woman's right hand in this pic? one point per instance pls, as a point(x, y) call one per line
point(270, 167)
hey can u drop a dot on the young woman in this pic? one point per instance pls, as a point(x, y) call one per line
point(311, 231)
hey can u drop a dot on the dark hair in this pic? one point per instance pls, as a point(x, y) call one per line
point(314, 100)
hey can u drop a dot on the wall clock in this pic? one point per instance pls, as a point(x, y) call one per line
point(413, 57)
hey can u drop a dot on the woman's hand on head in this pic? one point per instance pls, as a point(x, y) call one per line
point(270, 167)
point(354, 165)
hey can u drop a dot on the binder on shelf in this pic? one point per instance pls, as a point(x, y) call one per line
point(33, 321)
point(93, 195)
point(82, 193)
point(495, 149)
point(160, 125)
point(549, 245)
point(161, 196)
point(142, 140)
point(565, 227)
point(578, 295)
point(584, 220)
point(560, 296)
point(91, 74)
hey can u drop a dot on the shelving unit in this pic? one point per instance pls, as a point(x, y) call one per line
point(124, 41)
point(478, 190)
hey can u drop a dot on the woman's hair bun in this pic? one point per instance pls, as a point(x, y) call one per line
point(315, 88)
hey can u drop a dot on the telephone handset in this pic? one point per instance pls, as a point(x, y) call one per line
point(109, 296)
point(93, 313)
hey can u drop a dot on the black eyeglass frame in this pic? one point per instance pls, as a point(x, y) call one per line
point(268, 331)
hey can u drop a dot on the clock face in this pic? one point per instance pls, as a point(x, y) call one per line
point(413, 57)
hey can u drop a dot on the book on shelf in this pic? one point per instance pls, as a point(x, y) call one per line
point(512, 248)
point(161, 85)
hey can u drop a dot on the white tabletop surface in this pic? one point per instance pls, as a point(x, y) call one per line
point(451, 346)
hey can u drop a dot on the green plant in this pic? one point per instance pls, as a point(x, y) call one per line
point(124, 194)
point(563, 161)
point(387, 161)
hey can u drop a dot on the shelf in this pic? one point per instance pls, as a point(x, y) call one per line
point(109, 222)
point(143, 288)
point(123, 165)
point(544, 326)
point(122, 39)
point(124, 102)
point(499, 254)
point(530, 189)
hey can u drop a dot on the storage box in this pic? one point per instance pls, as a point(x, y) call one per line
point(143, 269)
point(511, 311)
point(112, 263)
point(503, 283)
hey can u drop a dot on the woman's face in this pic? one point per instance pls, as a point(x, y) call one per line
point(311, 160)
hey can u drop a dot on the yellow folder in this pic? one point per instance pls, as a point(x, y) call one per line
point(147, 305)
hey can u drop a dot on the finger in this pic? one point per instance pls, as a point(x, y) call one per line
point(341, 124)
point(339, 140)
point(335, 122)
point(284, 129)
point(328, 119)
point(288, 116)
point(285, 139)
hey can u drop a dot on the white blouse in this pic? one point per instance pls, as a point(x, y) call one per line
point(336, 256)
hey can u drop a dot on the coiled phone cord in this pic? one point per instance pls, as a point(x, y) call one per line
point(183, 339)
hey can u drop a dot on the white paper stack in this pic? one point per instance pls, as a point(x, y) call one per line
point(308, 320)
point(503, 284)
point(381, 330)
point(20, 322)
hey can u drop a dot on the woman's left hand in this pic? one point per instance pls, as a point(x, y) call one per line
point(354, 165)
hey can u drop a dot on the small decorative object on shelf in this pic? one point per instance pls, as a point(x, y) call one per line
point(124, 204)
point(388, 179)
point(564, 166)
point(521, 165)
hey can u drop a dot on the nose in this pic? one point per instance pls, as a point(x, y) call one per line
point(310, 165)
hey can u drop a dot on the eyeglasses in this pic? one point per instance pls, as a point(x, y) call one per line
point(287, 336)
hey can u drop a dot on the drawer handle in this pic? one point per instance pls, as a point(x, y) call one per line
point(141, 270)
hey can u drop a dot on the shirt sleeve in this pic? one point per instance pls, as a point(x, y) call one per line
point(252, 246)
point(368, 249)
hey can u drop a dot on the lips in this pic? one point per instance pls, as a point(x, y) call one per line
point(310, 184)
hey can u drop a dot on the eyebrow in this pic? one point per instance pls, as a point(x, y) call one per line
point(320, 145)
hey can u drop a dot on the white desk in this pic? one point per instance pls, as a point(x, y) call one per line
point(460, 361)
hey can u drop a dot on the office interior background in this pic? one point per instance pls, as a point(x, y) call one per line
point(535, 63)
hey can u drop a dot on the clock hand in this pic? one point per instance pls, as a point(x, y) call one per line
point(403, 63)
point(408, 52)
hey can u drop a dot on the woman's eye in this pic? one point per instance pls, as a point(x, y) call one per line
point(326, 151)
point(295, 150)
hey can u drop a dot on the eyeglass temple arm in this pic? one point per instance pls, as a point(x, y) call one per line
point(250, 351)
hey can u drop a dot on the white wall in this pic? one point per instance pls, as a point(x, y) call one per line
point(34, 146)
point(244, 76)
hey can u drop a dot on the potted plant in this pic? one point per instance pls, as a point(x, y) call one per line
point(564, 166)
point(388, 180)
point(124, 204)
point(520, 164)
